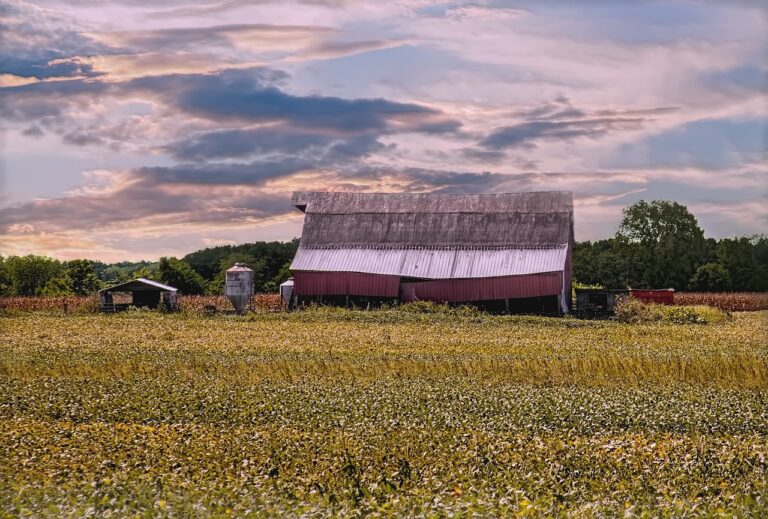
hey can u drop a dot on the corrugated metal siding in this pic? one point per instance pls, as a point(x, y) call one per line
point(345, 283)
point(487, 289)
point(432, 263)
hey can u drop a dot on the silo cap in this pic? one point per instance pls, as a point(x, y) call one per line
point(239, 267)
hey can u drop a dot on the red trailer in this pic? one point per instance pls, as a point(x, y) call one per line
point(664, 296)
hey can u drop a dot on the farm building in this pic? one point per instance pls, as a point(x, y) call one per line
point(144, 293)
point(505, 252)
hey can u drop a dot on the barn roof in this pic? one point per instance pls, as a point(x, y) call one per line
point(427, 220)
point(433, 263)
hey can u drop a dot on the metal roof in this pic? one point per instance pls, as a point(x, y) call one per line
point(353, 203)
point(139, 284)
point(433, 263)
point(403, 220)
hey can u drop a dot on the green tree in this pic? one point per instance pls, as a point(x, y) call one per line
point(281, 277)
point(81, 277)
point(602, 262)
point(739, 256)
point(28, 275)
point(179, 274)
point(663, 243)
point(58, 286)
point(711, 277)
point(5, 279)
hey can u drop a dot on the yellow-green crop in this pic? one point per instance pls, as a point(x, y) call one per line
point(388, 412)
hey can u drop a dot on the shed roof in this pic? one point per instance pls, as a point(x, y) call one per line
point(140, 284)
point(449, 221)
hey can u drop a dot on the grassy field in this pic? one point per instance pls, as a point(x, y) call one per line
point(389, 412)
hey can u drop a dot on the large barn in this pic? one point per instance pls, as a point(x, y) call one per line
point(505, 252)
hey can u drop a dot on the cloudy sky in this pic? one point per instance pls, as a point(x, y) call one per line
point(137, 128)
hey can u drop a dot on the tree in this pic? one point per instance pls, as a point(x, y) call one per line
point(739, 256)
point(28, 275)
point(81, 277)
point(711, 277)
point(179, 274)
point(281, 277)
point(663, 243)
point(273, 255)
point(5, 279)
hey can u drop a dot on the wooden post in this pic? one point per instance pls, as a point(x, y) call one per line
point(506, 305)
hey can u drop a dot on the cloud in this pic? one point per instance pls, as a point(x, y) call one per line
point(249, 96)
point(559, 120)
point(258, 37)
point(35, 39)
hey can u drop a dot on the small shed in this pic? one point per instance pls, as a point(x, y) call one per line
point(596, 302)
point(144, 293)
point(286, 293)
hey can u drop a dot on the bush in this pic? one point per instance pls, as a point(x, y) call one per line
point(631, 310)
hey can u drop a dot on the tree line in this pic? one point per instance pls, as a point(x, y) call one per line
point(658, 244)
point(198, 273)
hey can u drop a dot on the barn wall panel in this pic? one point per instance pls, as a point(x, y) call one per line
point(487, 289)
point(345, 283)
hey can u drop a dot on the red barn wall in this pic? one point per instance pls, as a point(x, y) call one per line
point(483, 289)
point(345, 283)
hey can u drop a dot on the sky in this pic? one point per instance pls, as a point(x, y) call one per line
point(137, 129)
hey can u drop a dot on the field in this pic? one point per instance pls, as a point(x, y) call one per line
point(391, 412)
point(727, 301)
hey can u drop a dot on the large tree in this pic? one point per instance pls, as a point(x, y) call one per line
point(28, 275)
point(81, 277)
point(179, 274)
point(663, 242)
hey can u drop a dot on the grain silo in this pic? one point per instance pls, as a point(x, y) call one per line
point(239, 286)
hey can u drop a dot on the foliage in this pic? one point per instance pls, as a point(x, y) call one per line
point(115, 273)
point(331, 413)
point(179, 274)
point(739, 257)
point(283, 275)
point(663, 243)
point(631, 310)
point(81, 277)
point(272, 255)
point(711, 277)
point(28, 275)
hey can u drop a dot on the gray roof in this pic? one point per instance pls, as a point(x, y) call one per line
point(348, 203)
point(140, 284)
point(426, 220)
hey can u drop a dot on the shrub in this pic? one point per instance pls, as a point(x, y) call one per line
point(630, 310)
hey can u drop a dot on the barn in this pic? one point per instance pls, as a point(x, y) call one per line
point(505, 252)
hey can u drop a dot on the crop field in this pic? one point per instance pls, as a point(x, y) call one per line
point(388, 412)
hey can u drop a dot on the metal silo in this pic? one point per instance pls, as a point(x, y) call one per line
point(239, 287)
